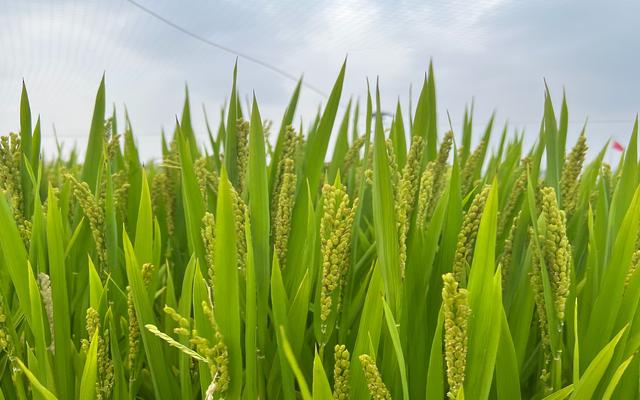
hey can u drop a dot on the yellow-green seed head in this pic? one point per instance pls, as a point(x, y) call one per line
point(174, 315)
point(10, 183)
point(95, 215)
point(467, 236)
point(425, 194)
point(6, 341)
point(468, 175)
point(284, 209)
point(393, 166)
point(557, 250)
point(148, 270)
point(507, 251)
point(335, 235)
point(570, 174)
point(608, 177)
point(635, 263)
point(219, 361)
point(242, 130)
point(341, 373)
point(241, 243)
point(105, 376)
point(439, 171)
point(352, 154)
point(289, 150)
point(407, 196)
point(456, 316)
point(47, 301)
point(134, 332)
point(376, 386)
point(121, 193)
point(208, 233)
point(535, 278)
point(514, 198)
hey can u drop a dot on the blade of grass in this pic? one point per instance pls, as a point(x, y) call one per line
point(227, 306)
point(90, 371)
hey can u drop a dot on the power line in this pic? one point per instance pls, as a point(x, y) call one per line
point(224, 48)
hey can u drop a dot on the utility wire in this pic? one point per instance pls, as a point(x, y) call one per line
point(224, 48)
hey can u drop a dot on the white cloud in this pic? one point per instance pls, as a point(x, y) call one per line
point(495, 50)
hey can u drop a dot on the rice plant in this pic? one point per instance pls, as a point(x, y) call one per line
point(401, 263)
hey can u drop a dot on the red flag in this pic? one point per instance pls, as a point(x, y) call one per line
point(617, 146)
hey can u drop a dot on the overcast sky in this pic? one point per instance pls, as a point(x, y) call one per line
point(494, 51)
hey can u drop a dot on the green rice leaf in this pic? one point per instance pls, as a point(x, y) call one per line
point(227, 301)
point(613, 383)
point(321, 387)
point(60, 299)
point(589, 381)
point(44, 392)
point(395, 339)
point(93, 156)
point(90, 371)
point(304, 388)
point(280, 304)
point(164, 385)
point(384, 215)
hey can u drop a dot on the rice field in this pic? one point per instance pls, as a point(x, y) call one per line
point(402, 262)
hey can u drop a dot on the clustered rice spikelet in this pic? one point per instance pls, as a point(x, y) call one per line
point(113, 141)
point(289, 143)
point(207, 178)
point(352, 154)
point(635, 263)
point(183, 323)
point(121, 193)
point(10, 173)
point(163, 199)
point(551, 251)
point(365, 169)
point(513, 201)
point(208, 233)
point(472, 166)
point(394, 172)
point(456, 311)
point(284, 209)
point(133, 338)
point(200, 169)
point(335, 234)
point(95, 215)
point(105, 375)
point(376, 386)
point(148, 270)
point(607, 176)
point(267, 124)
point(169, 184)
point(341, 374)
point(217, 355)
point(47, 301)
point(467, 236)
point(571, 172)
point(535, 277)
point(432, 182)
point(557, 251)
point(6, 340)
point(242, 131)
point(507, 251)
point(407, 196)
point(439, 168)
point(424, 195)
point(241, 240)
